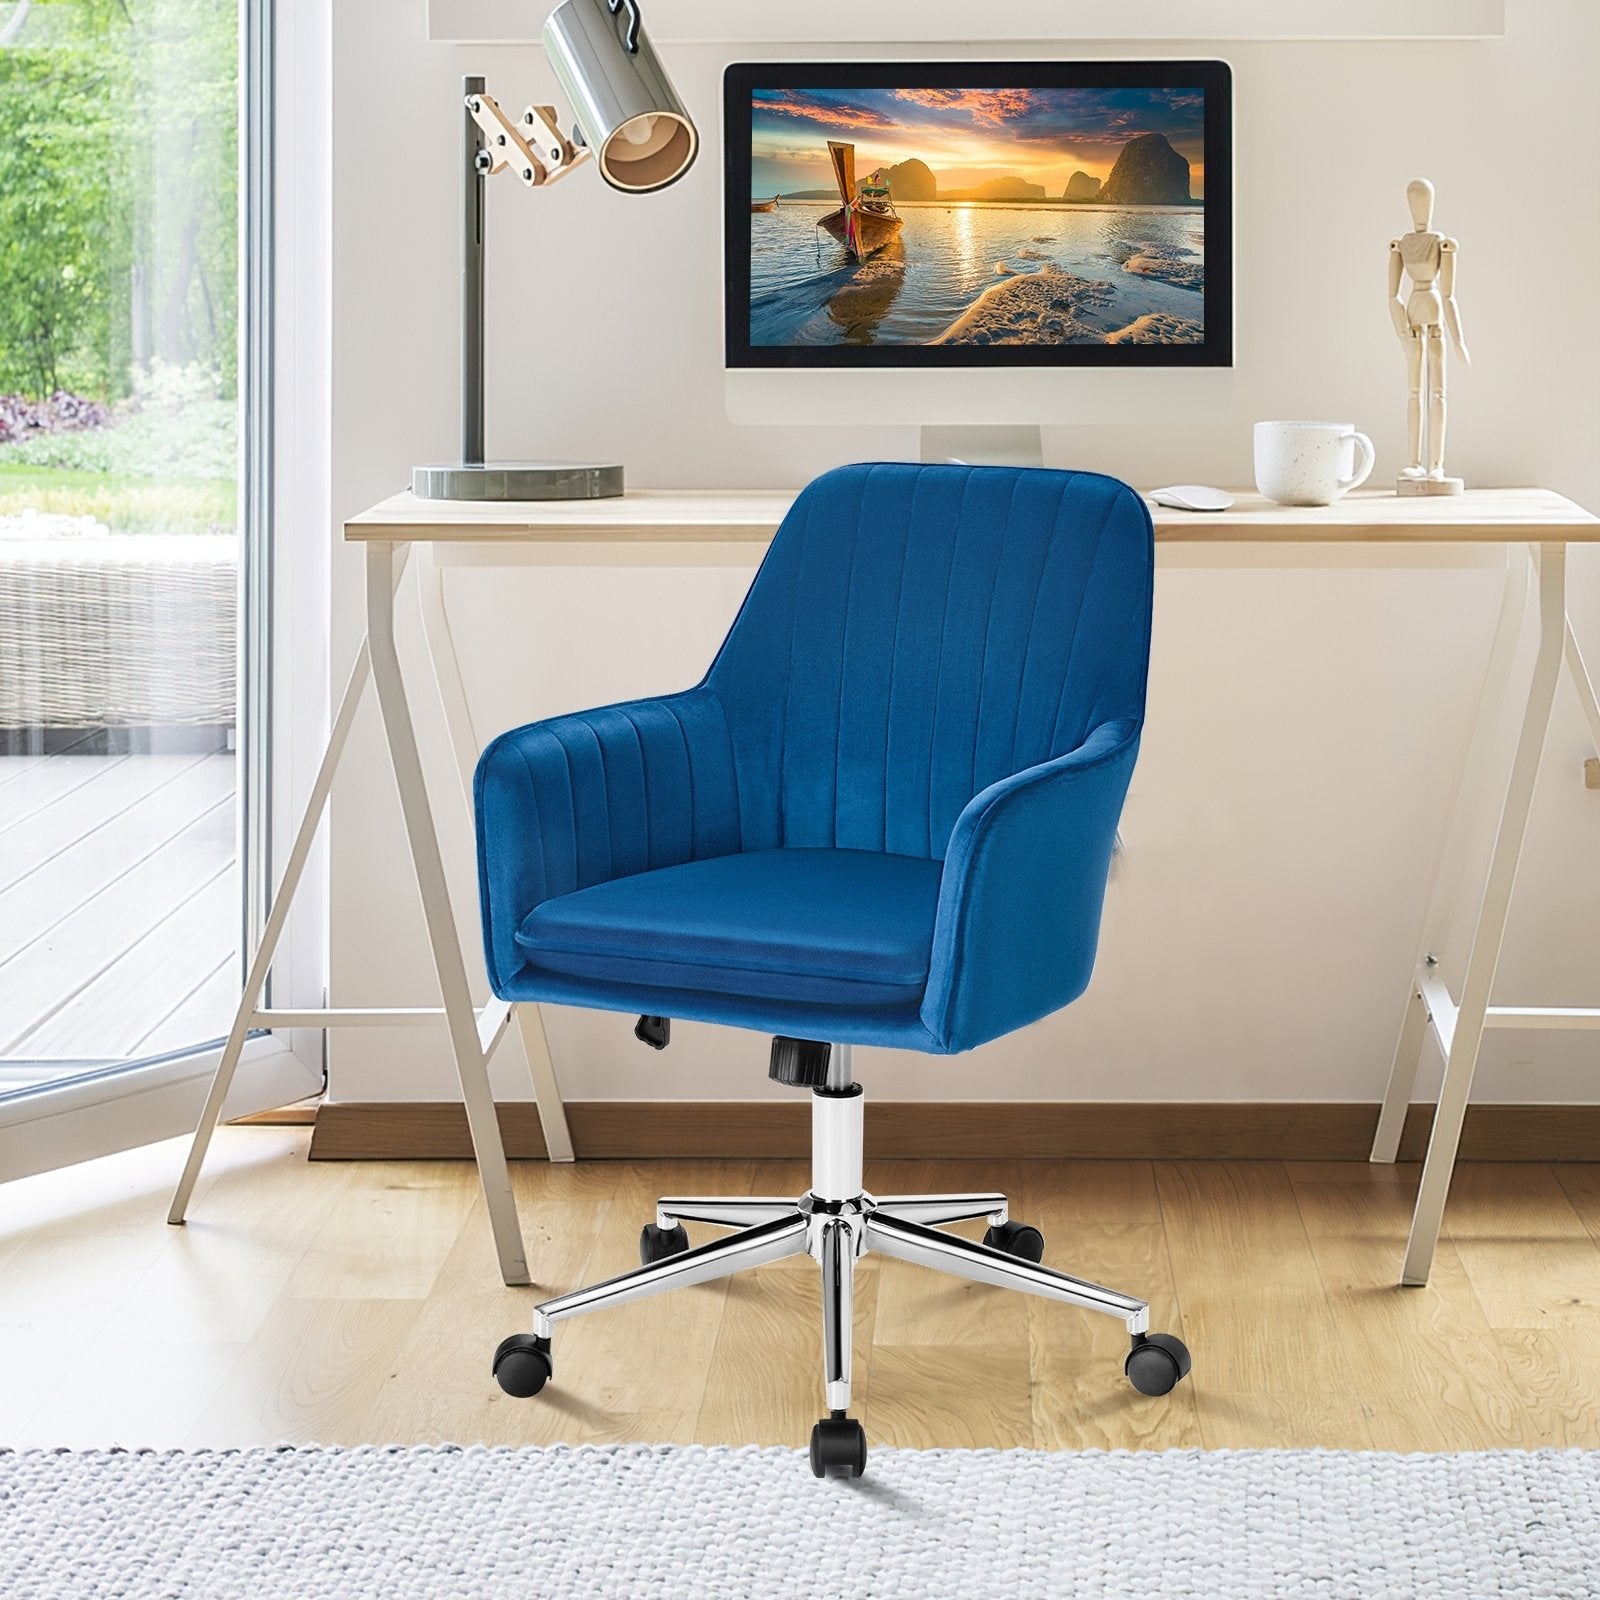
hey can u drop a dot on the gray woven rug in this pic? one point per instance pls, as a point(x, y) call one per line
point(436, 1524)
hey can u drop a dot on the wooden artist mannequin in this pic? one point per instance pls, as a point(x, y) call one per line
point(1422, 319)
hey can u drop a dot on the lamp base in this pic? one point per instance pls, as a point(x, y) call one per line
point(517, 480)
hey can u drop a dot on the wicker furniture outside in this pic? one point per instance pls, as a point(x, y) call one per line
point(118, 631)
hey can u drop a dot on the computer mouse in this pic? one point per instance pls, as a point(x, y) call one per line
point(1192, 497)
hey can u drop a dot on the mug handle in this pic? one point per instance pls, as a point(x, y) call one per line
point(1366, 459)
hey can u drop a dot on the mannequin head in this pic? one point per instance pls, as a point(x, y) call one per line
point(1419, 196)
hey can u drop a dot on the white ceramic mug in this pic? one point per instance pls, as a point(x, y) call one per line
point(1310, 463)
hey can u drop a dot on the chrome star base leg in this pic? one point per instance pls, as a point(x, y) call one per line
point(836, 1222)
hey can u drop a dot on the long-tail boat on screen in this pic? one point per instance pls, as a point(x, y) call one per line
point(764, 205)
point(866, 219)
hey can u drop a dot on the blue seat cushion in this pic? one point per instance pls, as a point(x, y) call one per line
point(853, 927)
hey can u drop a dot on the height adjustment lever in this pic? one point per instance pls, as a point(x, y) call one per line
point(654, 1031)
point(799, 1063)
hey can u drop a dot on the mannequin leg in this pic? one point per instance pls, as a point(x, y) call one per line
point(1414, 468)
point(1436, 402)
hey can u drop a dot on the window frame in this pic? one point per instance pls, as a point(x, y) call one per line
point(285, 118)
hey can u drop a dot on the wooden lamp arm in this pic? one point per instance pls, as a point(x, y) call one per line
point(535, 148)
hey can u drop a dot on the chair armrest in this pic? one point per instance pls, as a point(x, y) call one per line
point(1024, 880)
point(582, 799)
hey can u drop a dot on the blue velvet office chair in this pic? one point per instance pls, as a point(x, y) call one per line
point(885, 817)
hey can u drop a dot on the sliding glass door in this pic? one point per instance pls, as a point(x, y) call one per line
point(134, 528)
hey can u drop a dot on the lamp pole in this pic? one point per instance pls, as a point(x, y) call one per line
point(490, 143)
point(474, 182)
point(633, 127)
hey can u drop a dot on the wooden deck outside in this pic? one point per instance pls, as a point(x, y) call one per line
point(119, 909)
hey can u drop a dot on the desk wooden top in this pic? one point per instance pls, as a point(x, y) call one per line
point(699, 516)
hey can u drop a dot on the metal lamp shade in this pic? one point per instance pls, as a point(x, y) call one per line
point(624, 103)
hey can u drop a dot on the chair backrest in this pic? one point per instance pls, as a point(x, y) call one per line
point(917, 633)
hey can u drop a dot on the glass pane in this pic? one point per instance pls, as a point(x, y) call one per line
point(120, 887)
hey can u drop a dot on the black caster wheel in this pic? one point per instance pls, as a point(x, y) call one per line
point(522, 1365)
point(1016, 1239)
point(1157, 1363)
point(656, 1244)
point(838, 1448)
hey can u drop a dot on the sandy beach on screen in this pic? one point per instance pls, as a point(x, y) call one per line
point(1055, 307)
point(1045, 307)
point(1159, 327)
point(869, 292)
point(1172, 264)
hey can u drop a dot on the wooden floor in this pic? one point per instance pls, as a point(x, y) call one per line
point(350, 1303)
point(119, 908)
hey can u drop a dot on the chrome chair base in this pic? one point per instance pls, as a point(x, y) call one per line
point(836, 1222)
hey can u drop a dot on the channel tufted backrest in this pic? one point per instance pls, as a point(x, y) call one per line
point(917, 633)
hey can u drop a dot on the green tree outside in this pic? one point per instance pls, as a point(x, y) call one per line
point(119, 229)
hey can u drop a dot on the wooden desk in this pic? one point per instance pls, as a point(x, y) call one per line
point(1480, 516)
point(1535, 526)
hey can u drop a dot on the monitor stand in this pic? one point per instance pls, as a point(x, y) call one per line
point(984, 446)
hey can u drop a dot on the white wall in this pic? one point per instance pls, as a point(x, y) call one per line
point(1305, 716)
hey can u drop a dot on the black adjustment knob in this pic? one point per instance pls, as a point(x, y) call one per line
point(653, 1031)
point(799, 1063)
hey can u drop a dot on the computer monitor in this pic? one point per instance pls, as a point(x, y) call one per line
point(967, 243)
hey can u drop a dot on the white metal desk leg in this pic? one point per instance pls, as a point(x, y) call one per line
point(546, 1091)
point(1402, 1079)
point(1471, 779)
point(1462, 1058)
point(261, 962)
point(1584, 684)
point(446, 667)
point(471, 1065)
point(464, 741)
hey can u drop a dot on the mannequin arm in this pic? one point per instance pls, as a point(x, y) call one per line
point(1447, 288)
point(1397, 306)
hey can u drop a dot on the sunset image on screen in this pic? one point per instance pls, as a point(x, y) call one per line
point(977, 216)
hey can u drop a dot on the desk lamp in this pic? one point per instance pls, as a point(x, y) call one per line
point(630, 120)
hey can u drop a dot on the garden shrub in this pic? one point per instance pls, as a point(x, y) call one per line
point(64, 412)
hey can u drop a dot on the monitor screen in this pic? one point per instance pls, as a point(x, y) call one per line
point(942, 214)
